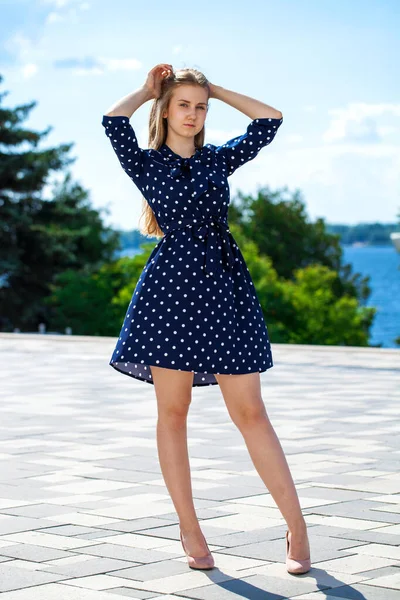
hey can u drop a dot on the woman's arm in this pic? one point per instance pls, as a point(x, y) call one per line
point(249, 106)
point(126, 106)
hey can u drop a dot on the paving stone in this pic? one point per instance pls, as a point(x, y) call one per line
point(356, 563)
point(34, 510)
point(82, 492)
point(172, 531)
point(256, 587)
point(387, 581)
point(163, 568)
point(360, 591)
point(73, 530)
point(131, 593)
point(47, 540)
point(33, 553)
point(14, 578)
point(382, 572)
point(138, 555)
point(11, 524)
point(58, 591)
point(94, 566)
point(362, 536)
point(101, 583)
point(133, 525)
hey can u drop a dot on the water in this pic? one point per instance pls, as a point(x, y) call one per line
point(382, 263)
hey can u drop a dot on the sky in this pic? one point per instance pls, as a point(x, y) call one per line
point(329, 66)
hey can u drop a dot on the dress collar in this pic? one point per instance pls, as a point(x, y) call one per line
point(200, 168)
point(166, 151)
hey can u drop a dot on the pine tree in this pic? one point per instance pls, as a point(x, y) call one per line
point(40, 238)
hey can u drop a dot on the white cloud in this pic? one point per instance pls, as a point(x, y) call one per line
point(90, 65)
point(121, 64)
point(352, 176)
point(64, 10)
point(54, 17)
point(29, 70)
point(294, 138)
point(358, 122)
point(58, 3)
point(20, 46)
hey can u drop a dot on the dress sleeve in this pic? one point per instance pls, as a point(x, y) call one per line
point(123, 140)
point(239, 150)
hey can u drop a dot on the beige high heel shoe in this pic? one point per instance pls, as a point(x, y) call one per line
point(296, 567)
point(199, 562)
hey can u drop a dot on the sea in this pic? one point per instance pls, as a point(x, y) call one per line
point(382, 264)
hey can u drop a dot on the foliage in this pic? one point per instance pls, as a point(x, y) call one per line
point(366, 233)
point(277, 222)
point(305, 309)
point(94, 303)
point(41, 238)
point(134, 239)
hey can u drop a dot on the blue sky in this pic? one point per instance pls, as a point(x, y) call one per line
point(328, 65)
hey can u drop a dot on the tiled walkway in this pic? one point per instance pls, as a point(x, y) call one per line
point(84, 511)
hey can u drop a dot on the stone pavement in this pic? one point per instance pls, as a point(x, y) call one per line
point(84, 511)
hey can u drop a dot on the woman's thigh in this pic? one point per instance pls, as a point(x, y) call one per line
point(242, 396)
point(173, 389)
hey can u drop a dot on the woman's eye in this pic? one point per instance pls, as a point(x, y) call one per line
point(184, 104)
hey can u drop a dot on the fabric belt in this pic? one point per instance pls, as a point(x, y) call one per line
point(215, 232)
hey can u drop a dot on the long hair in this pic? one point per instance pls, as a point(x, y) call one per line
point(158, 130)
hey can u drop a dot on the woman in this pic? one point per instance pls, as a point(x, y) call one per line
point(194, 318)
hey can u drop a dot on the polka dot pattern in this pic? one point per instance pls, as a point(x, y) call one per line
point(194, 307)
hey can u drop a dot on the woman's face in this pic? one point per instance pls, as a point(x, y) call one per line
point(188, 105)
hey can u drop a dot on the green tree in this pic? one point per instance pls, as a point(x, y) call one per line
point(94, 303)
point(277, 222)
point(40, 238)
point(305, 308)
point(300, 310)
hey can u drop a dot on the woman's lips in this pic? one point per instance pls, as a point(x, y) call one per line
point(187, 125)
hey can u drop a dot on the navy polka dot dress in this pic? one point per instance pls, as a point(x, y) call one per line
point(194, 307)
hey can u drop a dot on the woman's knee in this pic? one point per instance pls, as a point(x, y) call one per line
point(174, 394)
point(243, 399)
point(249, 414)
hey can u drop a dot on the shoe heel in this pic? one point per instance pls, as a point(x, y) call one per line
point(296, 567)
point(204, 563)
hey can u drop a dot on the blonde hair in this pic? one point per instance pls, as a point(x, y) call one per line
point(158, 130)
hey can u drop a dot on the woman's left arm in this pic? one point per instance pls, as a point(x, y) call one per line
point(249, 106)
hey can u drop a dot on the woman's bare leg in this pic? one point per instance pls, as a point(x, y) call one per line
point(242, 395)
point(173, 390)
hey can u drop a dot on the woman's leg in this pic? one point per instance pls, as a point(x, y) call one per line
point(242, 395)
point(173, 390)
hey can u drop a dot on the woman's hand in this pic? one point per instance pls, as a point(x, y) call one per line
point(213, 90)
point(155, 78)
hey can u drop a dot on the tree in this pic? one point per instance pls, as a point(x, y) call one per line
point(41, 238)
point(304, 309)
point(277, 222)
point(94, 303)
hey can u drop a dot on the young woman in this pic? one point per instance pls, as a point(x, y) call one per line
point(194, 318)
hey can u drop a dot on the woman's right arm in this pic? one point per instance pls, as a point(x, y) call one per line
point(121, 133)
point(126, 106)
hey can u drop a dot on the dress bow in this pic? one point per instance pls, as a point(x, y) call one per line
point(202, 167)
